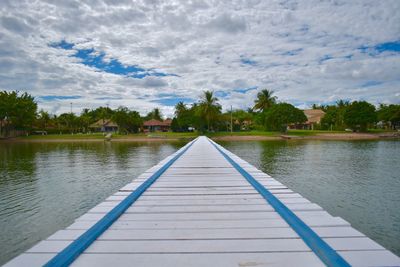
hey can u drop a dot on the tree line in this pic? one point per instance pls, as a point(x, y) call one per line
point(19, 112)
point(269, 114)
point(359, 115)
point(207, 115)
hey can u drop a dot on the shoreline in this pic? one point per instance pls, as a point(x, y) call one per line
point(319, 136)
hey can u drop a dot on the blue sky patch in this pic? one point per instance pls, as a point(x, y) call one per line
point(172, 101)
point(109, 98)
point(58, 97)
point(371, 83)
point(63, 44)
point(170, 95)
point(221, 94)
point(245, 90)
point(292, 52)
point(95, 59)
point(380, 48)
point(389, 46)
point(325, 58)
point(247, 61)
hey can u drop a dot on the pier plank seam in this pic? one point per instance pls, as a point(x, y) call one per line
point(155, 234)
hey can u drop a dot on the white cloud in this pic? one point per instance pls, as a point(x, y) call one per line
point(305, 51)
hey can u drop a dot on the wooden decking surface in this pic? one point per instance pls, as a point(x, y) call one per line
point(202, 212)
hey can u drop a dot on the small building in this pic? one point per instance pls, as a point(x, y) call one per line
point(105, 126)
point(314, 117)
point(157, 126)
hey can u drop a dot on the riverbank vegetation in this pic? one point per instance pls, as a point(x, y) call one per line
point(267, 117)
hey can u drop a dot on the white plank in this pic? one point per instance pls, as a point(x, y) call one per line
point(207, 208)
point(228, 233)
point(205, 224)
point(281, 259)
point(180, 246)
point(203, 216)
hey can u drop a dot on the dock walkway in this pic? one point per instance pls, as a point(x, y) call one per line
point(204, 206)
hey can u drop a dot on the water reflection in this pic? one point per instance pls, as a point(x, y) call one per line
point(45, 186)
point(358, 181)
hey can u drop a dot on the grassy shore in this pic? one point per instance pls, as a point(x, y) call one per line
point(227, 136)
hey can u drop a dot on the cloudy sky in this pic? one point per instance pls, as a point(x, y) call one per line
point(146, 54)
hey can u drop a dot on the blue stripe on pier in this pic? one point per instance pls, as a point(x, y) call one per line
point(71, 252)
point(327, 254)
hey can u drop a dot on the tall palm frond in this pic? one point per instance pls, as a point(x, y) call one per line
point(265, 100)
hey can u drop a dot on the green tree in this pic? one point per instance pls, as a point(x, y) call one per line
point(330, 117)
point(389, 114)
point(68, 122)
point(282, 114)
point(128, 121)
point(155, 114)
point(334, 115)
point(43, 119)
point(85, 119)
point(209, 108)
point(5, 108)
point(184, 117)
point(17, 110)
point(101, 113)
point(265, 100)
point(180, 109)
point(194, 117)
point(359, 114)
point(241, 119)
point(175, 125)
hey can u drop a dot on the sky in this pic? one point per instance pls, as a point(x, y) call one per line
point(147, 54)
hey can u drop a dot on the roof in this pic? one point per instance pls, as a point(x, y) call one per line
point(103, 123)
point(167, 122)
point(154, 122)
point(314, 115)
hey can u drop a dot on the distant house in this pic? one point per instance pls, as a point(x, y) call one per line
point(105, 126)
point(314, 117)
point(157, 126)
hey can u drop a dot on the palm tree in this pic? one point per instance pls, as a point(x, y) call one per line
point(155, 114)
point(342, 103)
point(209, 107)
point(44, 118)
point(264, 100)
point(85, 119)
point(180, 108)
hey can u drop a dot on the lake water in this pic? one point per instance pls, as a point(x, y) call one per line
point(45, 186)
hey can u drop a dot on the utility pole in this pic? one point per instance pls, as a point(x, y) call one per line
point(231, 121)
point(70, 126)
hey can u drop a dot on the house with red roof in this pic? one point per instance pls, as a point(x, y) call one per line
point(157, 126)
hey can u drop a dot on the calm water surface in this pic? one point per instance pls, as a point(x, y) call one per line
point(45, 186)
point(358, 181)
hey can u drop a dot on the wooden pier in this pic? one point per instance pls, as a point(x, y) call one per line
point(204, 206)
